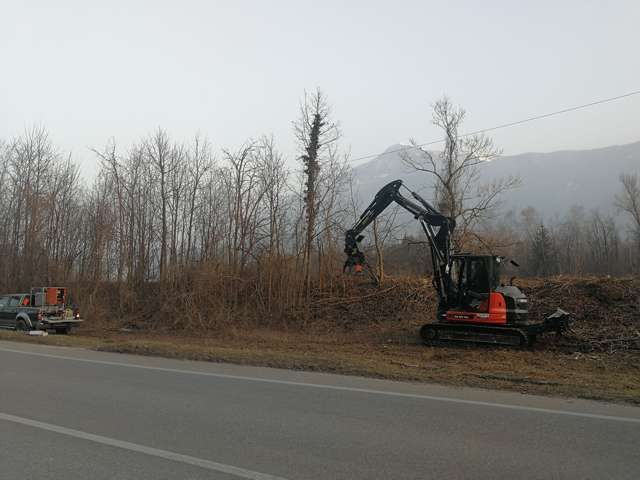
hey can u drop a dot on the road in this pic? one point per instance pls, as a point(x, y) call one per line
point(69, 413)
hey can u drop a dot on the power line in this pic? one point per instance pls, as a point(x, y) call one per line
point(505, 125)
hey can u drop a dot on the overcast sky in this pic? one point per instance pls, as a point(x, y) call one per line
point(88, 71)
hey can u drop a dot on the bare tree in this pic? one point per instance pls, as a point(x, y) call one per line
point(201, 162)
point(384, 227)
point(456, 170)
point(331, 209)
point(245, 192)
point(159, 151)
point(274, 177)
point(317, 135)
point(602, 237)
point(628, 201)
point(41, 200)
point(572, 241)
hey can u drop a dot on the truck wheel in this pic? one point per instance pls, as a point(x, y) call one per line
point(21, 325)
point(63, 330)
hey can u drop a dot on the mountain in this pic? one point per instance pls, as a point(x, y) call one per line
point(551, 182)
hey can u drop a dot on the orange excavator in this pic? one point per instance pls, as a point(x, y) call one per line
point(473, 304)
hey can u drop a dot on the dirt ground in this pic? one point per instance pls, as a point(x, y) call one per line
point(374, 333)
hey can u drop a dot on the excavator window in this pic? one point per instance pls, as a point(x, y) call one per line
point(472, 279)
point(478, 276)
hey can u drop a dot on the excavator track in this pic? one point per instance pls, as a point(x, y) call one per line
point(447, 333)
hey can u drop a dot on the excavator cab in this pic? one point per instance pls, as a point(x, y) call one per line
point(472, 294)
point(472, 278)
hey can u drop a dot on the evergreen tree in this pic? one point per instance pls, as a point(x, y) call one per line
point(543, 255)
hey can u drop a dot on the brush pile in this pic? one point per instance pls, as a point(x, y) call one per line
point(605, 311)
point(361, 303)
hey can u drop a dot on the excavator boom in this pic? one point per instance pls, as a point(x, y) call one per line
point(424, 212)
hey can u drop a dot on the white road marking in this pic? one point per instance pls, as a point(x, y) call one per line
point(134, 447)
point(336, 387)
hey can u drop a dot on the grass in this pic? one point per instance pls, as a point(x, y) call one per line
point(376, 353)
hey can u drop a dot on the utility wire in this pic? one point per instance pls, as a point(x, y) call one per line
point(505, 125)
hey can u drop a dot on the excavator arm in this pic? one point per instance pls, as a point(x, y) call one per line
point(429, 218)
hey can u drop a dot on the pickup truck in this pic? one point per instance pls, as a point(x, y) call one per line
point(32, 311)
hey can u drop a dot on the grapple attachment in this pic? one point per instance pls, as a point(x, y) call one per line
point(355, 261)
point(558, 321)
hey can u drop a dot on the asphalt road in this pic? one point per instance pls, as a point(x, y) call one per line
point(76, 414)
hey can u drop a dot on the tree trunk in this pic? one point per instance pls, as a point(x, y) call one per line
point(379, 255)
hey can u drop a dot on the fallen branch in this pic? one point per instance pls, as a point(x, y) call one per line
point(324, 303)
